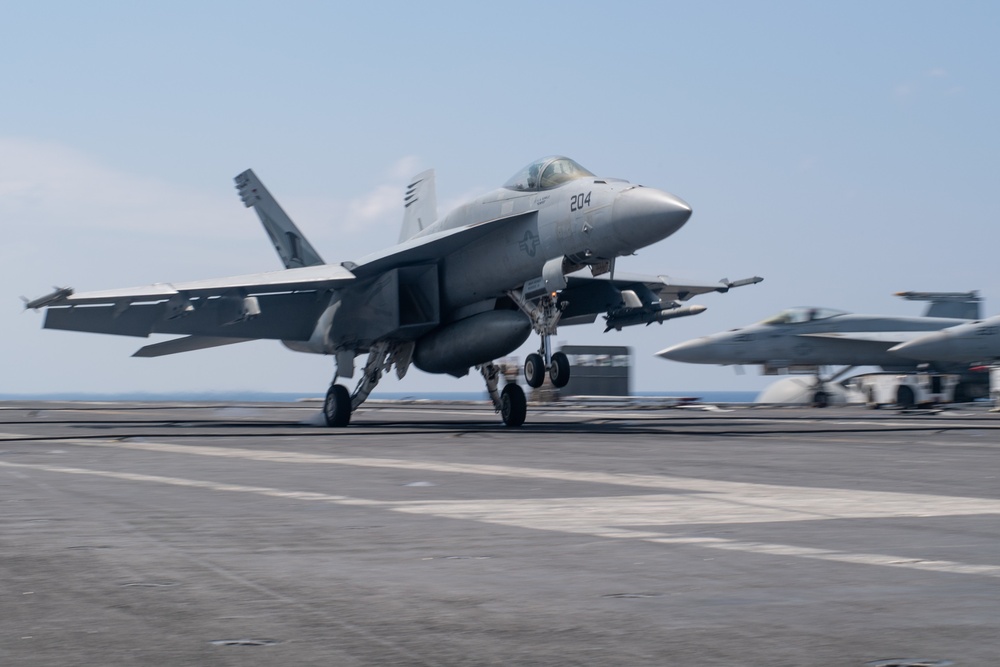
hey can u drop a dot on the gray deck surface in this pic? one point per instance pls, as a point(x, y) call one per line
point(429, 534)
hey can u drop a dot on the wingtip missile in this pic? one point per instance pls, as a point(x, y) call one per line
point(59, 294)
point(730, 284)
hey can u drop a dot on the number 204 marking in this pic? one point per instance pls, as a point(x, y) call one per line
point(577, 202)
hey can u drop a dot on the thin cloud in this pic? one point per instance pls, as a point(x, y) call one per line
point(56, 187)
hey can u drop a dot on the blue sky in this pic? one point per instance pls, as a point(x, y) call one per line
point(844, 151)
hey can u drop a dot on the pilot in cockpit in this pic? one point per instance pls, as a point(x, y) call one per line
point(533, 176)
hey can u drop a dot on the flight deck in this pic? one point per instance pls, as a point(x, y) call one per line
point(428, 533)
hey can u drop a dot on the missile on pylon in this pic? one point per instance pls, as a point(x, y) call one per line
point(629, 319)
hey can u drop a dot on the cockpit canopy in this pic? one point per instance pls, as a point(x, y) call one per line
point(803, 314)
point(547, 173)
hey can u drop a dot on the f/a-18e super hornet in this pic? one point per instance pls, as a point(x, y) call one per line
point(806, 339)
point(454, 293)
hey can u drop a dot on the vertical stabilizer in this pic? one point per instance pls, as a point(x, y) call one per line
point(961, 305)
point(293, 248)
point(419, 205)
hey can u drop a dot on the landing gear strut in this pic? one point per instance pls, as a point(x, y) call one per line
point(339, 404)
point(544, 313)
point(820, 397)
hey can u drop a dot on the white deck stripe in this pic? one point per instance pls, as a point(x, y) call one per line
point(607, 517)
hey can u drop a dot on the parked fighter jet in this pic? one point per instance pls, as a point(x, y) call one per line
point(804, 340)
point(975, 342)
point(454, 293)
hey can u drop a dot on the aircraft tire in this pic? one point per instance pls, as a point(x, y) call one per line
point(559, 370)
point(513, 405)
point(820, 399)
point(905, 398)
point(337, 406)
point(534, 370)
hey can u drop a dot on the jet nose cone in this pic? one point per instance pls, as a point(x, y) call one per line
point(648, 215)
point(692, 351)
point(931, 347)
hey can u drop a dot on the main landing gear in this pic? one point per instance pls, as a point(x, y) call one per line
point(544, 313)
point(510, 403)
point(339, 404)
point(820, 397)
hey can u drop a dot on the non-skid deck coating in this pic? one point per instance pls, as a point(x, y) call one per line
point(429, 534)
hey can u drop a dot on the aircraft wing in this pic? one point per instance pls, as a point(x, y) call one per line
point(665, 287)
point(279, 305)
point(310, 277)
point(647, 299)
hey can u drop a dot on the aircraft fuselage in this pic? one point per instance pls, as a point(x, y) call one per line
point(586, 219)
point(840, 340)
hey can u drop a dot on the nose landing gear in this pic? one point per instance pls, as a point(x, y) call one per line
point(544, 313)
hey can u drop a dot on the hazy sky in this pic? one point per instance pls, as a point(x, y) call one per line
point(842, 150)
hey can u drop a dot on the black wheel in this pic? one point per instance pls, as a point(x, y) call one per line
point(905, 398)
point(534, 370)
point(513, 406)
point(337, 406)
point(820, 399)
point(559, 370)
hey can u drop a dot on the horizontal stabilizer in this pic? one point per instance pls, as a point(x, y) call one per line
point(292, 247)
point(186, 344)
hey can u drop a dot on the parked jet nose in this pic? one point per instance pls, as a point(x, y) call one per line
point(695, 351)
point(646, 215)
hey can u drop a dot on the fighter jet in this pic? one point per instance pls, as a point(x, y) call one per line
point(807, 339)
point(975, 342)
point(454, 293)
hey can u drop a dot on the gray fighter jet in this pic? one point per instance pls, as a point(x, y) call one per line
point(975, 342)
point(807, 339)
point(455, 293)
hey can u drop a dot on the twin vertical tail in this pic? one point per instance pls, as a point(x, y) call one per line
point(292, 247)
point(419, 205)
point(958, 305)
